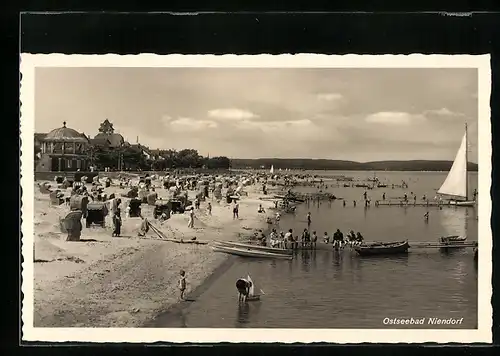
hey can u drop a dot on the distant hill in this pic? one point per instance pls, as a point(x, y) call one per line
point(328, 164)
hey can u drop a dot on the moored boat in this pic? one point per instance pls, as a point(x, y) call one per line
point(452, 240)
point(246, 252)
point(382, 248)
point(456, 184)
point(253, 247)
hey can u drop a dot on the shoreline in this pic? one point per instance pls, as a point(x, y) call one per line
point(130, 281)
point(175, 310)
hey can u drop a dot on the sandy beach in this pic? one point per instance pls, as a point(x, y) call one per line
point(104, 281)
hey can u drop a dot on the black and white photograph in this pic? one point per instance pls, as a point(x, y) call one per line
point(287, 198)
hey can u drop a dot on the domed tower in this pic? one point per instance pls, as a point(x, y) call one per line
point(63, 149)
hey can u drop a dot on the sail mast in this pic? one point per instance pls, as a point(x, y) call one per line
point(466, 164)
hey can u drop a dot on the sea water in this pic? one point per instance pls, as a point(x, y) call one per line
point(329, 289)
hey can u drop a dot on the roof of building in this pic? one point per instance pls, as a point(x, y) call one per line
point(101, 141)
point(115, 140)
point(65, 134)
point(40, 136)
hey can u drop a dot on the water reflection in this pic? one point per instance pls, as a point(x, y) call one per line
point(347, 290)
point(243, 314)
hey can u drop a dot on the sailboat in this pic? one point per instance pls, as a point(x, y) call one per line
point(456, 184)
point(251, 293)
point(272, 169)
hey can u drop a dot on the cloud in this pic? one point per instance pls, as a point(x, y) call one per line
point(268, 126)
point(330, 96)
point(442, 112)
point(186, 123)
point(231, 114)
point(393, 117)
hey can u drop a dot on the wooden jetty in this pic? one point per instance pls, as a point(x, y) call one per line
point(409, 203)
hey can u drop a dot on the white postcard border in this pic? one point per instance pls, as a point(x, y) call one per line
point(186, 335)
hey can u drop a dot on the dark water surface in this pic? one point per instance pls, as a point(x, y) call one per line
point(328, 289)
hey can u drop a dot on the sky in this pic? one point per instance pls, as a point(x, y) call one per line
point(364, 114)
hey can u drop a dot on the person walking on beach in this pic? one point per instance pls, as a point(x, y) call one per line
point(117, 223)
point(191, 218)
point(235, 210)
point(182, 283)
point(209, 208)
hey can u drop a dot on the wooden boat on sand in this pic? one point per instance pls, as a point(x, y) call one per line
point(382, 248)
point(247, 252)
point(253, 247)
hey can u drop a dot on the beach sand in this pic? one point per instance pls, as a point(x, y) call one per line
point(104, 281)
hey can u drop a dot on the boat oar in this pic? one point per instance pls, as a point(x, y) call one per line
point(262, 292)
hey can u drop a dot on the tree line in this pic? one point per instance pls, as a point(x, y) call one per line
point(327, 164)
point(129, 158)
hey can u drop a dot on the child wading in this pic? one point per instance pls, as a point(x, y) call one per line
point(182, 283)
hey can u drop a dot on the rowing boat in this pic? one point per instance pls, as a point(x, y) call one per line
point(452, 240)
point(246, 252)
point(252, 247)
point(382, 248)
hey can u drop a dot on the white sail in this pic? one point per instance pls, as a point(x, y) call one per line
point(252, 287)
point(272, 169)
point(455, 183)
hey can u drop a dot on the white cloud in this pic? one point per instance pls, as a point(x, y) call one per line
point(393, 117)
point(330, 96)
point(186, 123)
point(442, 112)
point(268, 126)
point(231, 114)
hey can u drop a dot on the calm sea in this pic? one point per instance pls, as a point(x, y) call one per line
point(328, 289)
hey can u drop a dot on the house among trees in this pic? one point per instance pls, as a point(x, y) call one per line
point(65, 149)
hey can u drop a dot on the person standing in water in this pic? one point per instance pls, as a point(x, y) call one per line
point(243, 287)
point(314, 239)
point(426, 217)
point(308, 219)
point(209, 208)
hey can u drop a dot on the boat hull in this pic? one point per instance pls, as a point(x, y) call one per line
point(466, 203)
point(252, 247)
point(250, 253)
point(394, 248)
point(452, 240)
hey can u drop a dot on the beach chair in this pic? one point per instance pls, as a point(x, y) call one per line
point(72, 224)
point(56, 198)
point(44, 188)
point(96, 214)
